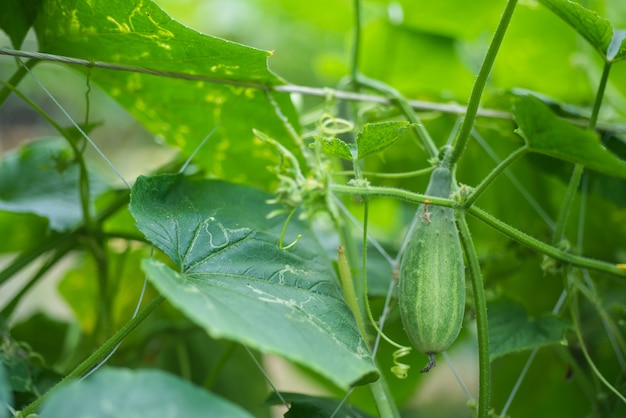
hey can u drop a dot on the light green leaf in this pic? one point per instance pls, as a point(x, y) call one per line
point(597, 30)
point(232, 278)
point(510, 329)
point(41, 178)
point(546, 134)
point(6, 395)
point(375, 137)
point(225, 81)
point(334, 147)
point(114, 393)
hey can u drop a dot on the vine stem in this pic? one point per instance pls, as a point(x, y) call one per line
point(514, 156)
point(577, 173)
point(490, 220)
point(482, 327)
point(356, 45)
point(15, 79)
point(97, 355)
point(477, 91)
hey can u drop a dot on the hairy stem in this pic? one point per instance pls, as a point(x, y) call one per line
point(493, 175)
point(506, 229)
point(480, 304)
point(479, 85)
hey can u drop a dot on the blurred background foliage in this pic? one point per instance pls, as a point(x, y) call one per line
point(428, 50)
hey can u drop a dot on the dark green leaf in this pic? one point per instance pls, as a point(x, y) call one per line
point(41, 178)
point(546, 134)
point(235, 281)
point(118, 393)
point(16, 18)
point(226, 85)
point(305, 406)
point(45, 335)
point(596, 29)
point(375, 137)
point(510, 329)
point(334, 147)
point(6, 397)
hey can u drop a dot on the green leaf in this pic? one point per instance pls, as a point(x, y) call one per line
point(126, 393)
point(234, 280)
point(334, 147)
point(225, 81)
point(510, 329)
point(44, 334)
point(597, 30)
point(6, 396)
point(16, 18)
point(41, 178)
point(375, 137)
point(305, 406)
point(546, 134)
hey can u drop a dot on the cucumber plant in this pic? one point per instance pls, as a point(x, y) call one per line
point(208, 268)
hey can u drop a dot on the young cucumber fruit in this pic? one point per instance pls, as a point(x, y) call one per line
point(431, 292)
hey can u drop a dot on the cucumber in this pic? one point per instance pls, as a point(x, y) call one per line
point(431, 289)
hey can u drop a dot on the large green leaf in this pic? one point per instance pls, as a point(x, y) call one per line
point(16, 18)
point(597, 30)
point(41, 178)
point(547, 134)
point(226, 85)
point(234, 280)
point(144, 393)
point(510, 329)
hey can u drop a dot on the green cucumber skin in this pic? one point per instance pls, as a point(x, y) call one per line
point(431, 292)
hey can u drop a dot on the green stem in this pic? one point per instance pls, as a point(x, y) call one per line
point(91, 361)
point(590, 293)
point(384, 401)
point(568, 202)
point(481, 317)
point(572, 295)
point(349, 293)
point(477, 91)
point(493, 175)
point(570, 195)
point(61, 251)
point(403, 175)
point(16, 78)
point(219, 366)
point(356, 46)
point(511, 232)
point(406, 108)
point(597, 102)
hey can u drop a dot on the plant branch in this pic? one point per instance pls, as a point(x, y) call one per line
point(477, 91)
point(97, 355)
point(490, 220)
point(16, 78)
point(356, 45)
point(482, 327)
point(504, 164)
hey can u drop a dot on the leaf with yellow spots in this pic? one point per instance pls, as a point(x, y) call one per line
point(205, 81)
